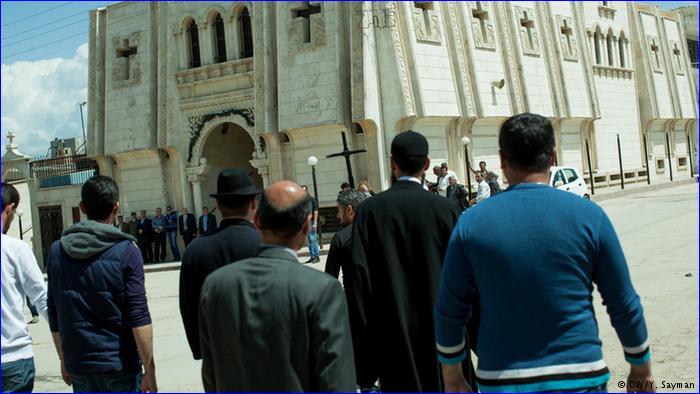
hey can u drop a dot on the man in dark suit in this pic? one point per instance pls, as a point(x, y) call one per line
point(340, 257)
point(145, 237)
point(400, 237)
point(235, 240)
point(187, 226)
point(207, 222)
point(270, 314)
point(457, 194)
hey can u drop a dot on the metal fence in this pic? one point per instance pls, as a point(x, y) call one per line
point(63, 170)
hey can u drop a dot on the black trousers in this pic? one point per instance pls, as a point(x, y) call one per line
point(188, 237)
point(159, 247)
point(146, 251)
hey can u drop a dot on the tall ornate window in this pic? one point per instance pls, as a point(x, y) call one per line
point(610, 47)
point(219, 39)
point(193, 44)
point(621, 49)
point(245, 34)
point(597, 38)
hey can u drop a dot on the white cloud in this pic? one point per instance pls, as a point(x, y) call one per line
point(39, 100)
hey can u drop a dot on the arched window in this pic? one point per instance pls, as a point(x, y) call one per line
point(219, 40)
point(597, 38)
point(246, 34)
point(621, 49)
point(611, 51)
point(193, 38)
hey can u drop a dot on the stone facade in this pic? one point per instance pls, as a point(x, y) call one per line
point(179, 90)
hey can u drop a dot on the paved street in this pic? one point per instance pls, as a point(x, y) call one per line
point(659, 232)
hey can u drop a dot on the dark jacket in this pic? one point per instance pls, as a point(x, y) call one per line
point(171, 222)
point(235, 240)
point(271, 315)
point(134, 228)
point(147, 227)
point(96, 295)
point(211, 224)
point(458, 195)
point(191, 225)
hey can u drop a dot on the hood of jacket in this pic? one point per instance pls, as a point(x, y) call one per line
point(89, 238)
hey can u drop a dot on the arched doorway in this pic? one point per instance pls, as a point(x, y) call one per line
point(228, 145)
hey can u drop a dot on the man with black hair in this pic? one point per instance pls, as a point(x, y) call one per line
point(97, 306)
point(399, 240)
point(234, 240)
point(171, 232)
point(270, 314)
point(187, 225)
point(159, 237)
point(540, 333)
point(21, 277)
point(145, 237)
point(207, 222)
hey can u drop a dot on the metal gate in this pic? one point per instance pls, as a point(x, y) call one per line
point(51, 225)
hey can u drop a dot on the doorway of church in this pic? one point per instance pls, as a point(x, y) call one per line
point(227, 146)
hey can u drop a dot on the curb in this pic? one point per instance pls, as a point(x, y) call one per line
point(644, 189)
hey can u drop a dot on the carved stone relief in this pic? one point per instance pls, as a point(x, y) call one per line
point(426, 22)
point(528, 30)
point(482, 24)
point(567, 38)
point(656, 58)
point(677, 57)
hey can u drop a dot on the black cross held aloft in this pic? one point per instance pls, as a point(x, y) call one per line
point(347, 153)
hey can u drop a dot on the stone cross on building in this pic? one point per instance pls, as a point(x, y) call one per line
point(305, 11)
point(567, 31)
point(655, 55)
point(482, 16)
point(126, 53)
point(529, 26)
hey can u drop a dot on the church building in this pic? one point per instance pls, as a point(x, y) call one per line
point(180, 90)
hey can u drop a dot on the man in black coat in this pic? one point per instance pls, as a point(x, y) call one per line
point(271, 324)
point(399, 240)
point(187, 225)
point(340, 257)
point(207, 222)
point(145, 237)
point(234, 240)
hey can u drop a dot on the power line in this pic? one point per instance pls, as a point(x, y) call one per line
point(51, 23)
point(41, 34)
point(47, 44)
point(45, 55)
point(38, 13)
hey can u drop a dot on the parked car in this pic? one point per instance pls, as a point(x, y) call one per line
point(569, 180)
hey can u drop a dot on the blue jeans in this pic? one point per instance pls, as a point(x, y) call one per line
point(18, 376)
point(110, 382)
point(172, 240)
point(313, 242)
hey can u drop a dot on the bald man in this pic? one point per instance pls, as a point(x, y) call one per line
point(268, 323)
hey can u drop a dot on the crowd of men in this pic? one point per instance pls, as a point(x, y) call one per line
point(151, 233)
point(423, 287)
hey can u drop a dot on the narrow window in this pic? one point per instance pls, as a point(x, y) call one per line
point(597, 37)
point(621, 46)
point(246, 34)
point(219, 40)
point(611, 52)
point(193, 33)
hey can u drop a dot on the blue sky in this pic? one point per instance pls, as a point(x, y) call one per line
point(44, 68)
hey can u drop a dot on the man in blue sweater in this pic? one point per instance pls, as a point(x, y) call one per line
point(97, 307)
point(534, 274)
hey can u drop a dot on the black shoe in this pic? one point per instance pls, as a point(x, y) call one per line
point(310, 261)
point(318, 259)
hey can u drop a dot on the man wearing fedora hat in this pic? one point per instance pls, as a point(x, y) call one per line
point(235, 239)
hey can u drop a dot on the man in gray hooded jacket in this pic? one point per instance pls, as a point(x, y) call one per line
point(97, 306)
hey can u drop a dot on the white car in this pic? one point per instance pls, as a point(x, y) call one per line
point(569, 180)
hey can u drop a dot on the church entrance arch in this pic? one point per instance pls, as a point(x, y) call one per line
point(226, 145)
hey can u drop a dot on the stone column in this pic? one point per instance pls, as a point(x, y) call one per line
point(181, 48)
point(231, 34)
point(195, 176)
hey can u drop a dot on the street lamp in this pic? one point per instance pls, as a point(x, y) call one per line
point(312, 161)
point(465, 143)
point(19, 215)
point(82, 122)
